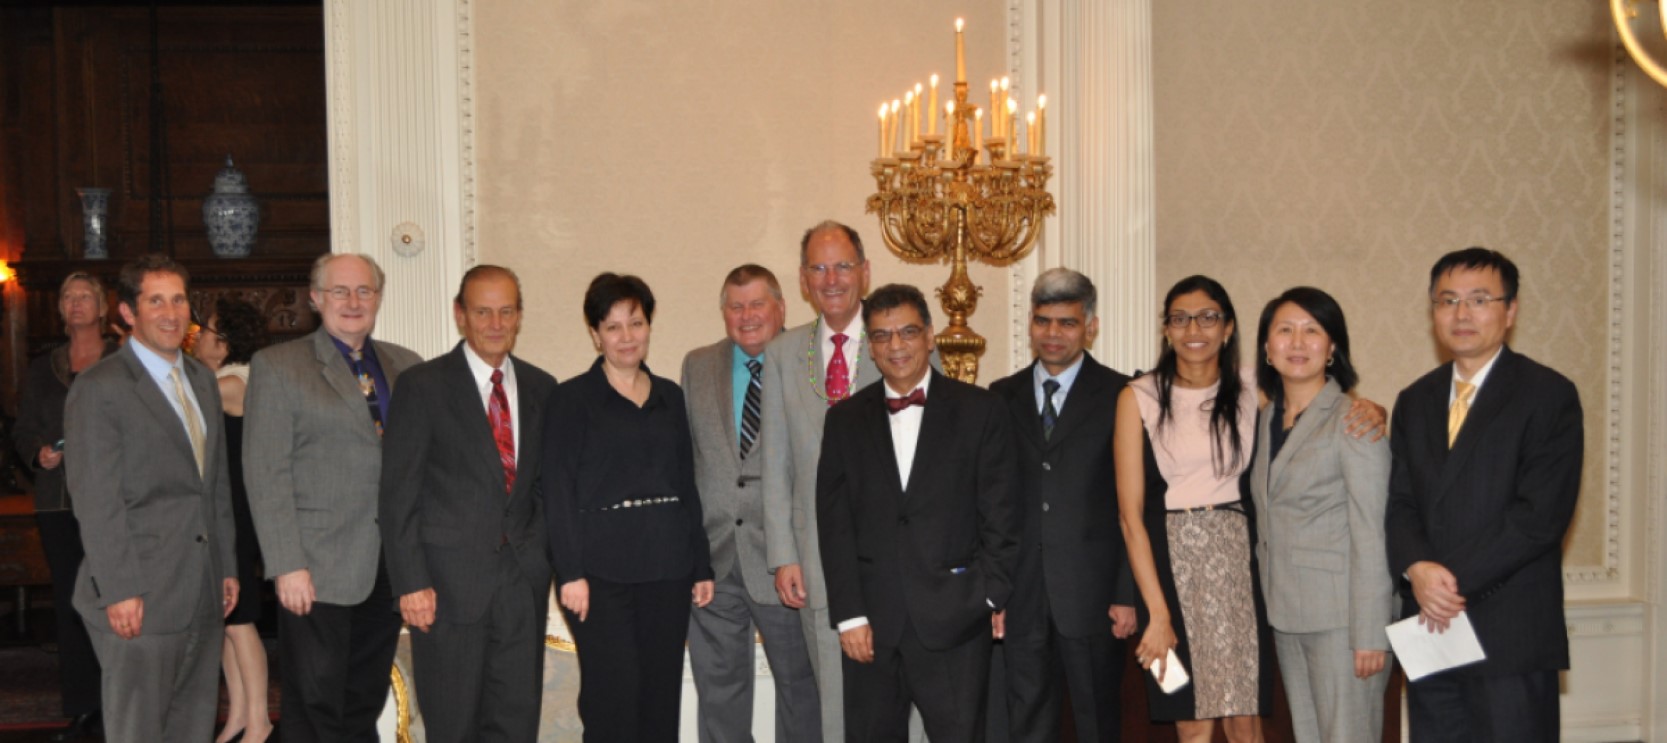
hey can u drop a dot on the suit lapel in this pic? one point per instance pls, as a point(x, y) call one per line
point(938, 422)
point(150, 394)
point(1310, 421)
point(339, 375)
point(526, 406)
point(723, 375)
point(1091, 378)
point(206, 387)
point(882, 451)
point(1021, 399)
point(1490, 400)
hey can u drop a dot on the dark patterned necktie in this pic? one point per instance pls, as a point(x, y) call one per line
point(503, 431)
point(1050, 414)
point(367, 387)
point(750, 407)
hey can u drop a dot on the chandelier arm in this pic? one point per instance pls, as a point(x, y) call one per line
point(1622, 12)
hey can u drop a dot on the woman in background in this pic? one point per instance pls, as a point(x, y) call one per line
point(1320, 496)
point(225, 343)
point(1182, 441)
point(626, 537)
point(39, 436)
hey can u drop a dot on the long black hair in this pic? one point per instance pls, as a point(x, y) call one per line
point(1325, 311)
point(1226, 450)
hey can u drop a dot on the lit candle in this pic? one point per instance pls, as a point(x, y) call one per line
point(909, 124)
point(932, 125)
point(896, 125)
point(977, 132)
point(1030, 132)
point(914, 115)
point(949, 123)
point(995, 109)
point(960, 51)
point(1012, 130)
point(1007, 113)
point(1041, 125)
point(882, 130)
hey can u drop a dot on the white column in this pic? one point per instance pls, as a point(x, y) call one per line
point(1093, 59)
point(398, 77)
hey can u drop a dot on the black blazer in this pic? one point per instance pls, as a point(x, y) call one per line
point(1494, 509)
point(1072, 554)
point(443, 511)
point(932, 555)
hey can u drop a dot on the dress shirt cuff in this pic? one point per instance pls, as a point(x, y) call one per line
point(851, 624)
point(991, 603)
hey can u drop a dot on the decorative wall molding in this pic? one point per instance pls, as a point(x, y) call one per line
point(401, 86)
point(1097, 57)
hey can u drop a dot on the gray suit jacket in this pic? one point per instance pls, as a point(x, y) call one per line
point(312, 461)
point(152, 525)
point(443, 510)
point(1319, 521)
point(731, 488)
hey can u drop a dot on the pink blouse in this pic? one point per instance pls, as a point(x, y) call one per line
point(1183, 448)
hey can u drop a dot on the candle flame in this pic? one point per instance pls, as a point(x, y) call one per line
point(934, 79)
point(1012, 106)
point(1005, 82)
point(1030, 118)
point(918, 89)
point(978, 113)
point(949, 108)
point(995, 85)
point(908, 97)
point(1041, 101)
point(960, 23)
point(883, 108)
point(895, 104)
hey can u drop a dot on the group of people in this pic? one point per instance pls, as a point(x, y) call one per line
point(826, 487)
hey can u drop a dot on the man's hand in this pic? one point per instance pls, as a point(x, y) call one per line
point(126, 617)
point(575, 597)
point(1122, 621)
point(1368, 662)
point(49, 458)
point(1437, 592)
point(295, 591)
point(1367, 417)
point(998, 624)
point(702, 593)
point(858, 643)
point(417, 609)
point(228, 597)
point(790, 586)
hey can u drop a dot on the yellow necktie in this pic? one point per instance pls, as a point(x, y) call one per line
point(1459, 409)
point(193, 427)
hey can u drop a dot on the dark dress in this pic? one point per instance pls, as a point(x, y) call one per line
point(248, 546)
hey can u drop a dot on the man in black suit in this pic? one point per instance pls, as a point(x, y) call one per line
point(917, 515)
point(463, 531)
point(1073, 596)
point(1487, 455)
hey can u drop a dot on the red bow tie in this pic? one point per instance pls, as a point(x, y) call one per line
point(897, 404)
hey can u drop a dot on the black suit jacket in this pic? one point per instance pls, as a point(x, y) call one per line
point(443, 511)
point(932, 555)
point(1494, 509)
point(1072, 555)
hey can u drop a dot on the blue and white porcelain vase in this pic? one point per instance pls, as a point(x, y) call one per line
point(231, 214)
point(95, 213)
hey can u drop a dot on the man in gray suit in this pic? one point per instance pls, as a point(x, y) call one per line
point(313, 460)
point(147, 465)
point(723, 388)
point(463, 528)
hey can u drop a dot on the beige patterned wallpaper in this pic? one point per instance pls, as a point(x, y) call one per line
point(1347, 145)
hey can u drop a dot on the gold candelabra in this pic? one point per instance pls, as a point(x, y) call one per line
point(976, 199)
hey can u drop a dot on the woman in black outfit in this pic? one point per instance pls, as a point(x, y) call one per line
point(38, 437)
point(626, 538)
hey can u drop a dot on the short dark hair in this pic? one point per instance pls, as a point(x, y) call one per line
point(747, 273)
point(892, 296)
point(133, 275)
point(1477, 258)
point(828, 225)
point(609, 289)
point(485, 270)
point(241, 326)
point(1325, 311)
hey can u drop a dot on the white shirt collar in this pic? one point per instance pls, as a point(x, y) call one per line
point(1477, 379)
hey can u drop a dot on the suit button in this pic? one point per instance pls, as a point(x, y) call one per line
point(740, 483)
point(202, 539)
point(737, 522)
point(1047, 467)
point(903, 521)
point(1044, 507)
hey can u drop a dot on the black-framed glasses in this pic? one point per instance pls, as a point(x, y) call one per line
point(1206, 319)
point(1478, 303)
point(909, 333)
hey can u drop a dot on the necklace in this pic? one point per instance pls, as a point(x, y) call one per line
point(810, 363)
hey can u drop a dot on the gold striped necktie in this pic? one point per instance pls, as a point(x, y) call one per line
point(193, 423)
point(1460, 408)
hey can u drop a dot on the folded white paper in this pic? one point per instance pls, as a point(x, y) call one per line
point(1423, 652)
point(1174, 675)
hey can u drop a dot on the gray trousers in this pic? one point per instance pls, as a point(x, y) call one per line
point(722, 656)
point(163, 687)
point(1327, 702)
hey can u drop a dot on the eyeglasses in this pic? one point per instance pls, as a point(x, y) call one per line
point(1449, 304)
point(1206, 319)
point(842, 269)
point(341, 293)
point(909, 334)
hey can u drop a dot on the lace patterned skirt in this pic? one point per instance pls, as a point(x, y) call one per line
point(1209, 555)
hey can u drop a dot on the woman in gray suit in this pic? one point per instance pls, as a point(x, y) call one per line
point(1320, 495)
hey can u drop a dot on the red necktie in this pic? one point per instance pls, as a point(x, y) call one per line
point(839, 375)
point(497, 411)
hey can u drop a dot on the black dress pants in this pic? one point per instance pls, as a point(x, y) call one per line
point(1039, 658)
point(78, 668)
point(335, 666)
point(631, 660)
point(948, 686)
point(1450, 708)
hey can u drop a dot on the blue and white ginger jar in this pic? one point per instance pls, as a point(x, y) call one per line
point(231, 214)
